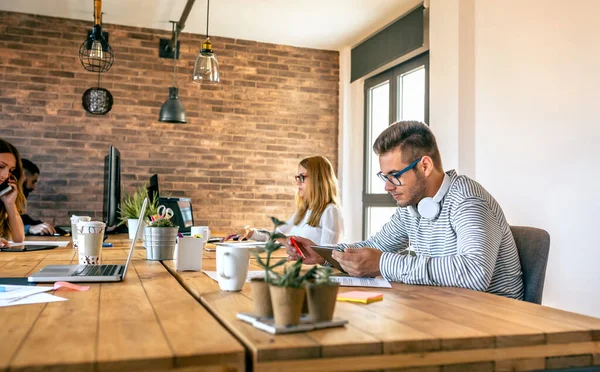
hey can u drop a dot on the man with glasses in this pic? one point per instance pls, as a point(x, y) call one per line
point(456, 229)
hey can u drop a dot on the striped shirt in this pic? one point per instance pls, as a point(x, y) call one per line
point(468, 245)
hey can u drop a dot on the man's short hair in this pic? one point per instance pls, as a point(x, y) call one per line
point(30, 167)
point(414, 139)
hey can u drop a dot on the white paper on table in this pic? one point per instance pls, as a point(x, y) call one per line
point(25, 294)
point(351, 281)
point(252, 274)
point(61, 243)
point(33, 299)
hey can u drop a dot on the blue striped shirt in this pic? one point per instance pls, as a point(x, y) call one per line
point(468, 245)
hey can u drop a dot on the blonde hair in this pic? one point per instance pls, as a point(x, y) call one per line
point(7, 147)
point(322, 190)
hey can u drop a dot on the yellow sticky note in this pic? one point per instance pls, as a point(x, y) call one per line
point(360, 297)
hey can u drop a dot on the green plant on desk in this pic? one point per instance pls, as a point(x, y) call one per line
point(131, 205)
point(162, 222)
point(272, 245)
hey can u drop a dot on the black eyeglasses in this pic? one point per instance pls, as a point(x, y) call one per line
point(394, 178)
point(301, 178)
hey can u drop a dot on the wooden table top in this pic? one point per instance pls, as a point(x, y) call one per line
point(146, 322)
point(432, 328)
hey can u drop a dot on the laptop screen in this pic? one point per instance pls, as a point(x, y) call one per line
point(182, 212)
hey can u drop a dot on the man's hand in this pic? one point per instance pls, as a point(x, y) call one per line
point(359, 261)
point(42, 229)
point(311, 257)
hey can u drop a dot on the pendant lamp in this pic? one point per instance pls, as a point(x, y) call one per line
point(206, 68)
point(172, 111)
point(97, 100)
point(95, 54)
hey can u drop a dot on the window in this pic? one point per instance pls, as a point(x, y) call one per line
point(401, 93)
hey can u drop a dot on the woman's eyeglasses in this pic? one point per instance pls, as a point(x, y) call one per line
point(394, 178)
point(300, 177)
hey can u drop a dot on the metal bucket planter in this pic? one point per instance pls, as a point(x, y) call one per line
point(160, 242)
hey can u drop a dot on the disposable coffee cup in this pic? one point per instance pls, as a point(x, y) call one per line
point(74, 220)
point(90, 235)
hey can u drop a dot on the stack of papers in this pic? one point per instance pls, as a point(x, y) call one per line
point(11, 295)
point(351, 281)
point(58, 243)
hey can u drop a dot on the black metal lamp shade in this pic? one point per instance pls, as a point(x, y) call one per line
point(172, 111)
point(97, 101)
point(95, 54)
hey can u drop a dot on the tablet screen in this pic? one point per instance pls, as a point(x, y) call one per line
point(325, 251)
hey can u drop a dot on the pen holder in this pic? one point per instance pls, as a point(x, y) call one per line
point(188, 256)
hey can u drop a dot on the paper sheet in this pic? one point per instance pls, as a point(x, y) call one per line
point(350, 281)
point(251, 274)
point(11, 295)
point(61, 243)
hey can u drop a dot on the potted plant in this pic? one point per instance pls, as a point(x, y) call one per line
point(322, 295)
point(260, 287)
point(161, 237)
point(131, 206)
point(288, 293)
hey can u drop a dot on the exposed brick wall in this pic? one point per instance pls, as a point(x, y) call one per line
point(235, 158)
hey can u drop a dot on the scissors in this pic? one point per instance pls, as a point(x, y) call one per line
point(164, 212)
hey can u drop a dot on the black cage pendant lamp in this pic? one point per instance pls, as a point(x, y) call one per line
point(95, 53)
point(206, 68)
point(172, 111)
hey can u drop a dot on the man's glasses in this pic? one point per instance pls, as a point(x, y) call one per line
point(394, 178)
point(301, 178)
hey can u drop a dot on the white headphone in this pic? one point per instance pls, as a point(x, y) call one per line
point(430, 207)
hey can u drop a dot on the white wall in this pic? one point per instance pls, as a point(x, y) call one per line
point(527, 116)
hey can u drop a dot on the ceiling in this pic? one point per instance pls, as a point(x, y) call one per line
point(321, 24)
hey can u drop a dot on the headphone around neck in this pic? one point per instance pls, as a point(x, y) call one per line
point(428, 207)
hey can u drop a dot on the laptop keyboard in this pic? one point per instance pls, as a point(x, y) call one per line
point(97, 270)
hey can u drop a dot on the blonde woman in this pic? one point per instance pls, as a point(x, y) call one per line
point(11, 203)
point(318, 216)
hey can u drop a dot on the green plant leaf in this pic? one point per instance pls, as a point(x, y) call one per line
point(278, 236)
point(277, 222)
point(279, 263)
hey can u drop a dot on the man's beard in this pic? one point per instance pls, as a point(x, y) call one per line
point(26, 191)
point(416, 192)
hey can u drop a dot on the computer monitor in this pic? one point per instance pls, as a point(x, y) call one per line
point(112, 187)
point(182, 212)
point(153, 191)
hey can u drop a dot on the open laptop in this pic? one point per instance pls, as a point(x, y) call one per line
point(183, 216)
point(88, 273)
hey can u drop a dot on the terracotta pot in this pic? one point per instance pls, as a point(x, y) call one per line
point(287, 304)
point(261, 296)
point(321, 301)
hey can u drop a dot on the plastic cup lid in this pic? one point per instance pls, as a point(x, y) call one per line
point(75, 219)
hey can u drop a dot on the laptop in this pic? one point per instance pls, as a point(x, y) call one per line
point(183, 215)
point(88, 273)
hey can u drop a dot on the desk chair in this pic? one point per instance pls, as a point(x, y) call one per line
point(533, 246)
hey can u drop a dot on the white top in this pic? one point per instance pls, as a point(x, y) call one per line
point(329, 231)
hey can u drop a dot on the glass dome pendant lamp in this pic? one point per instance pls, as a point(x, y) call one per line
point(206, 67)
point(172, 111)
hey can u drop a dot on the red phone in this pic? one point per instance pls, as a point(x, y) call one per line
point(295, 244)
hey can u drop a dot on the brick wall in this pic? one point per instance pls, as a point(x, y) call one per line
point(235, 157)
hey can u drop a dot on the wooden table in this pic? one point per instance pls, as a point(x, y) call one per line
point(147, 322)
point(415, 327)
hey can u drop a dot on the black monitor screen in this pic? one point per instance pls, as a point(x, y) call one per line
point(112, 189)
point(153, 191)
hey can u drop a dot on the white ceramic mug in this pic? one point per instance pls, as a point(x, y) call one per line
point(232, 267)
point(202, 230)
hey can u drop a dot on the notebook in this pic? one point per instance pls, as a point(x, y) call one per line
point(360, 297)
point(88, 273)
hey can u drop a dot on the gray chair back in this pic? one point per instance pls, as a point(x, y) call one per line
point(533, 246)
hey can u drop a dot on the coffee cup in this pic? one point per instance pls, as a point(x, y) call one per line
point(232, 266)
point(74, 220)
point(90, 235)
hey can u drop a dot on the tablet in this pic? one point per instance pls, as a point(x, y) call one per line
point(325, 251)
point(27, 248)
